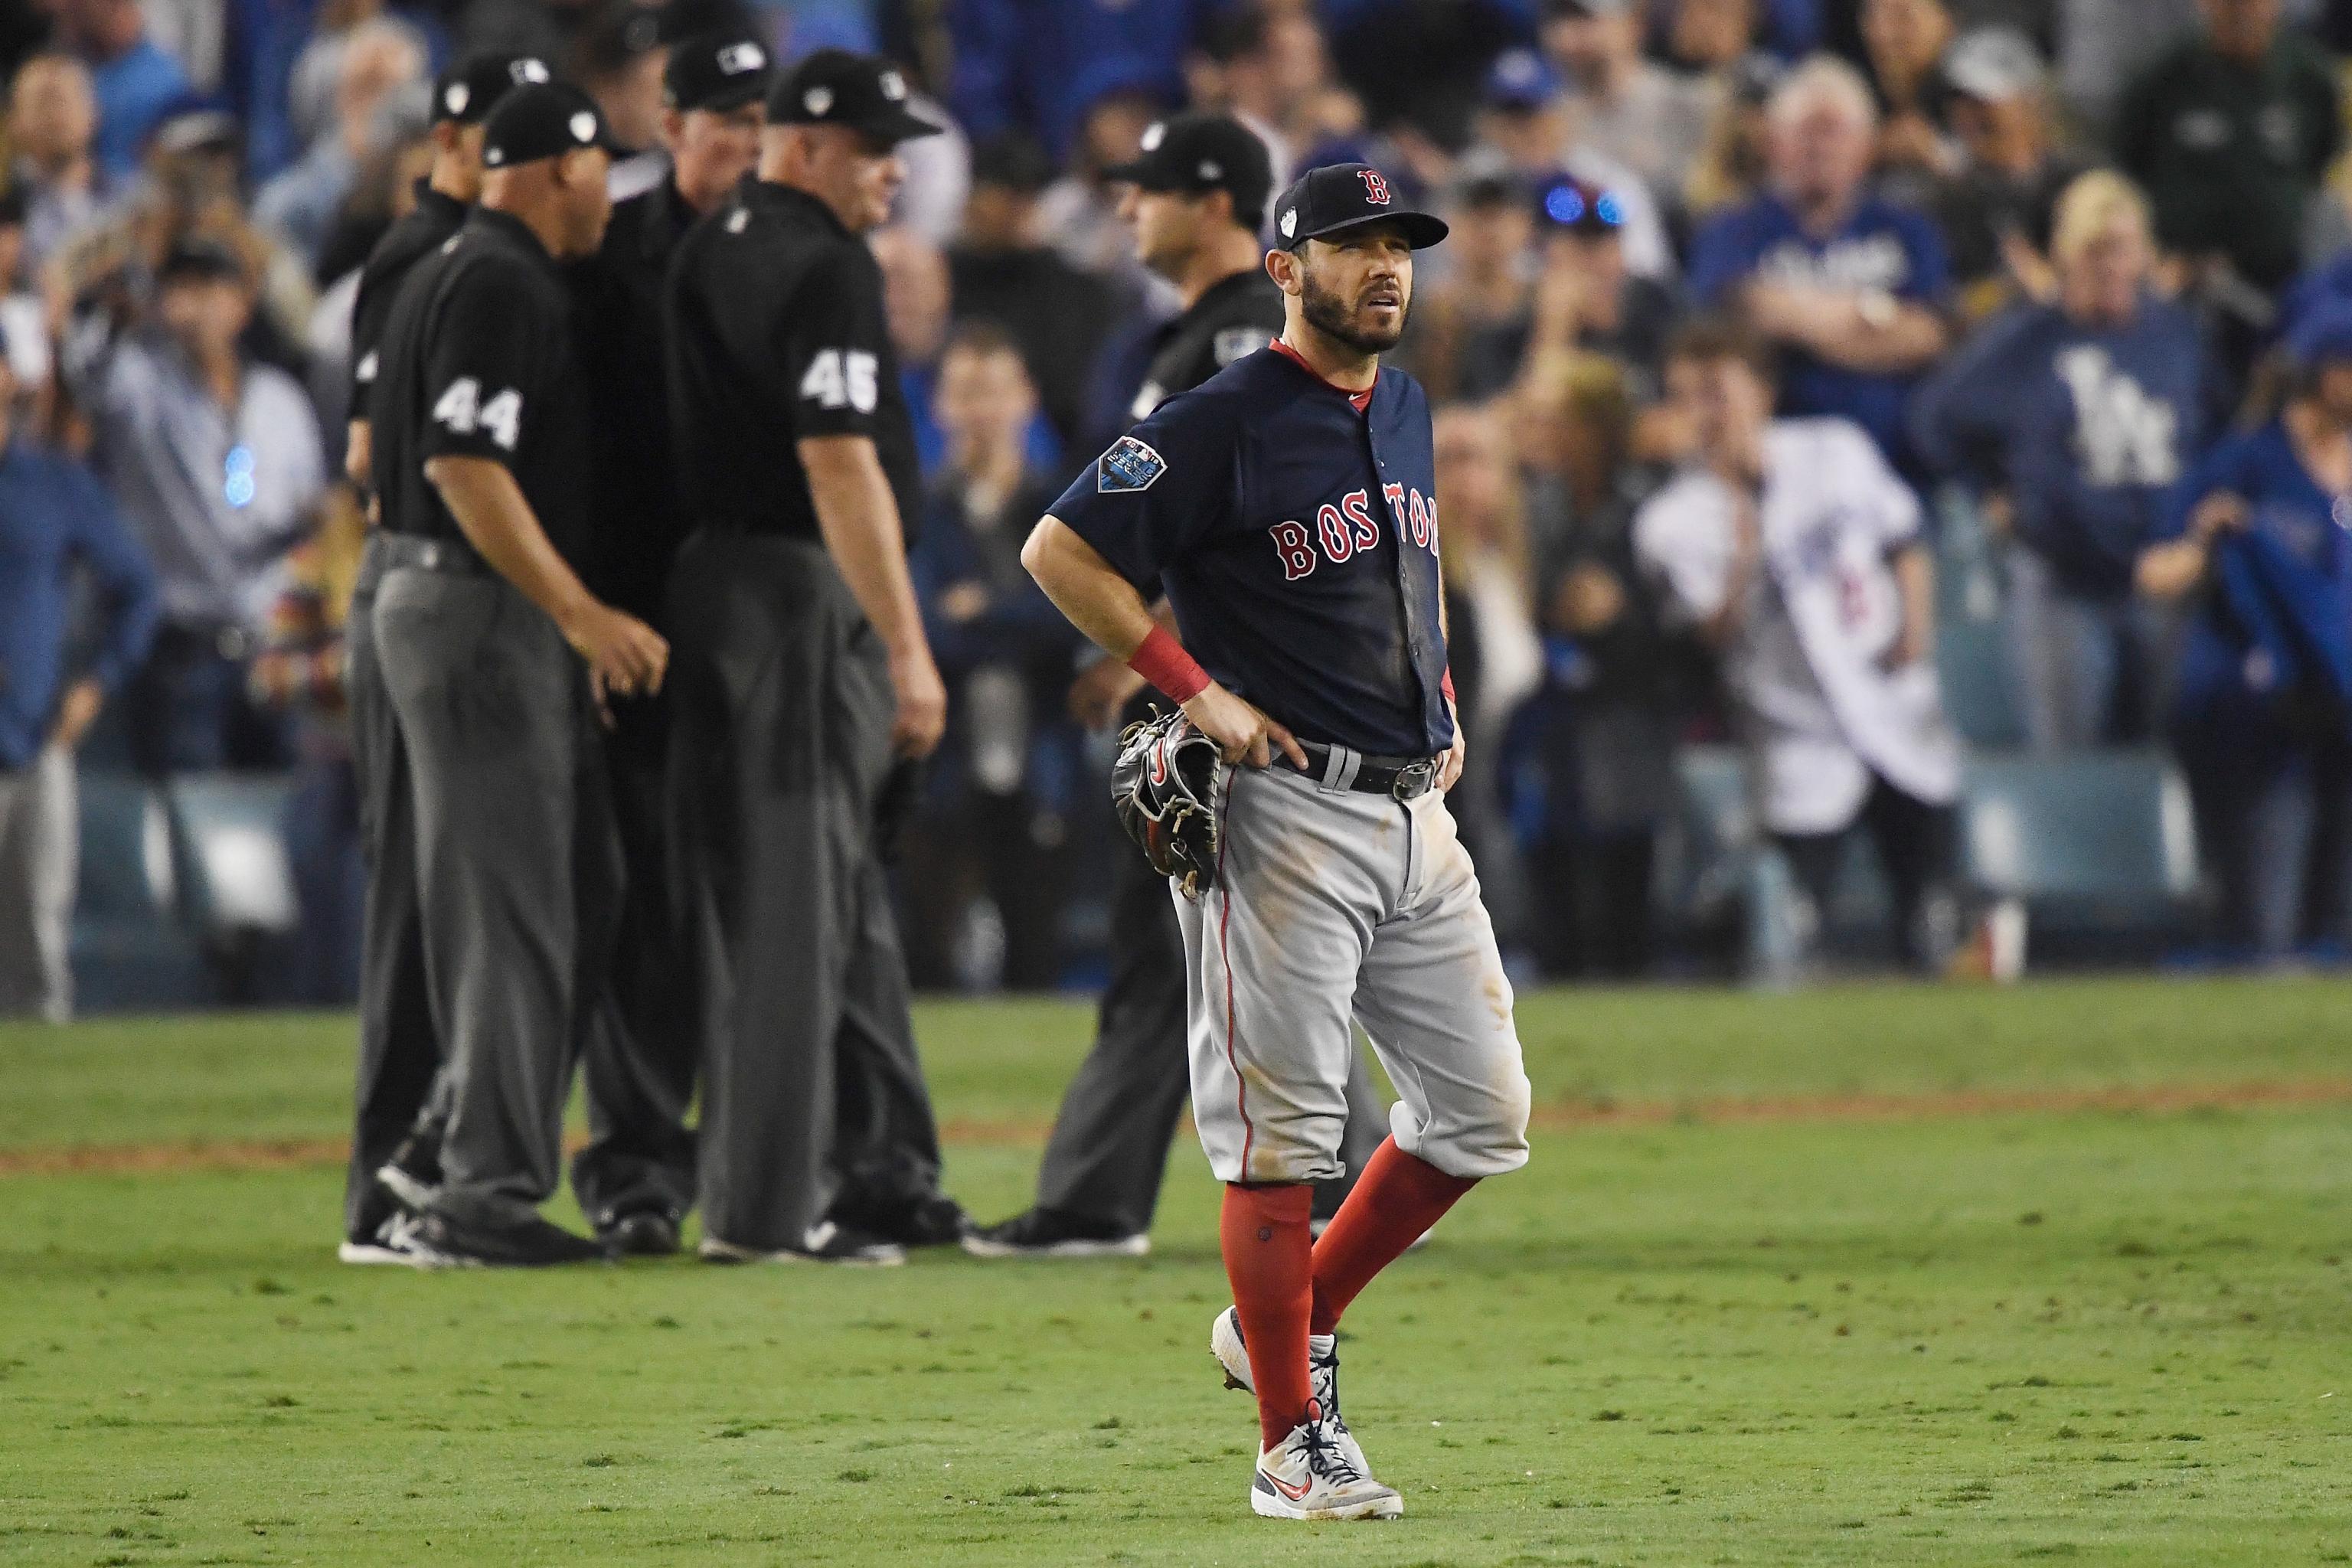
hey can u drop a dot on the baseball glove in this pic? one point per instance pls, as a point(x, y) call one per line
point(1164, 788)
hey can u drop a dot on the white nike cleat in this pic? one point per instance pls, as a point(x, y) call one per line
point(397, 1245)
point(1309, 1475)
point(1322, 1371)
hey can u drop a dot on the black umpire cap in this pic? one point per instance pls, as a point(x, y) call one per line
point(471, 88)
point(1197, 153)
point(542, 120)
point(1324, 202)
point(716, 72)
point(833, 87)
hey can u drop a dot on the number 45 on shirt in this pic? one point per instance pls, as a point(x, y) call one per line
point(462, 410)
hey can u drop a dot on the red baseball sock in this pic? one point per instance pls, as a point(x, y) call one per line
point(1397, 1198)
point(1267, 1248)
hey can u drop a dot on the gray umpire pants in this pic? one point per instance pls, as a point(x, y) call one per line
point(640, 1053)
point(780, 747)
point(516, 866)
point(1109, 1152)
point(400, 1049)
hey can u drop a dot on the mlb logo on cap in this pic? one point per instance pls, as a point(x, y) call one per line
point(736, 58)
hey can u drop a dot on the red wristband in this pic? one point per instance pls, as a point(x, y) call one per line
point(1162, 661)
point(1445, 684)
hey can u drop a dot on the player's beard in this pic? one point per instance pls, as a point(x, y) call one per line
point(1336, 319)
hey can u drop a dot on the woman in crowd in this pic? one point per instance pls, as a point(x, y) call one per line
point(1588, 762)
point(2261, 535)
point(2071, 421)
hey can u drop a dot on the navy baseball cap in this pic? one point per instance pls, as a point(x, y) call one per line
point(716, 72)
point(1196, 153)
point(835, 86)
point(1340, 196)
point(543, 120)
point(1520, 79)
point(471, 88)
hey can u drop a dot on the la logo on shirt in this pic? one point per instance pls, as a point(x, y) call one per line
point(1344, 529)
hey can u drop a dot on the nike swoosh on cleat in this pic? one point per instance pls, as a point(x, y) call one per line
point(1287, 1489)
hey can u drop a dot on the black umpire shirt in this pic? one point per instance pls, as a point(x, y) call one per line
point(619, 293)
point(477, 362)
point(775, 325)
point(1234, 316)
point(434, 219)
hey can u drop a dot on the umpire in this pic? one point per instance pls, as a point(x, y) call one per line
point(804, 689)
point(636, 1178)
point(480, 422)
point(1195, 200)
point(399, 1051)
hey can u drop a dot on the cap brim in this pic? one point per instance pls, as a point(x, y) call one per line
point(1141, 173)
point(902, 125)
point(735, 95)
point(1422, 230)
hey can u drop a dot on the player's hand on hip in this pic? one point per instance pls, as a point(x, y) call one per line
point(624, 656)
point(1450, 765)
point(922, 704)
point(1242, 735)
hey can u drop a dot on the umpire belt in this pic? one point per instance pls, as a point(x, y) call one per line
point(454, 556)
point(1338, 769)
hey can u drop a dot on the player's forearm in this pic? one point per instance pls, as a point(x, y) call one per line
point(1915, 574)
point(1908, 340)
point(1086, 588)
point(500, 525)
point(858, 518)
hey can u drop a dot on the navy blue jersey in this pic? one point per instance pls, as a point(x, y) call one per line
point(1296, 542)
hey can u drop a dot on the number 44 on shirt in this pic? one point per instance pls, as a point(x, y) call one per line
point(462, 409)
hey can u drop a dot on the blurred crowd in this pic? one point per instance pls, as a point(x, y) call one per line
point(2080, 269)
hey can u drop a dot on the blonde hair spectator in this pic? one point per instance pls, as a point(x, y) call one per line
point(2090, 207)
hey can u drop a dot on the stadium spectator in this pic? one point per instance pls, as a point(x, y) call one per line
point(1585, 298)
point(54, 520)
point(1849, 285)
point(52, 137)
point(299, 673)
point(2262, 718)
point(2072, 420)
point(1632, 110)
point(375, 66)
point(1706, 36)
point(1266, 65)
point(1588, 769)
point(1902, 52)
point(1470, 320)
point(1995, 207)
point(2230, 132)
point(1530, 119)
point(1002, 270)
point(618, 60)
point(2104, 44)
point(134, 82)
point(1793, 550)
point(215, 461)
point(24, 319)
point(1008, 762)
point(1730, 168)
point(916, 299)
point(1078, 213)
point(1034, 65)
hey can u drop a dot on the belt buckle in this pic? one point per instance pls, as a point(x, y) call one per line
point(1414, 780)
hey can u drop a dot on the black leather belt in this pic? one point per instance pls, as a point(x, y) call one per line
point(451, 556)
point(1399, 778)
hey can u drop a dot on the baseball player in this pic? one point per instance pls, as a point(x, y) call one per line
point(1200, 183)
point(1284, 506)
point(1794, 550)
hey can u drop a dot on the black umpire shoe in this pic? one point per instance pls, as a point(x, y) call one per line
point(922, 1219)
point(1047, 1233)
point(643, 1232)
point(824, 1242)
point(534, 1243)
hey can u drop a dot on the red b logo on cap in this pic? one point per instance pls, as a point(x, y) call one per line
point(1376, 190)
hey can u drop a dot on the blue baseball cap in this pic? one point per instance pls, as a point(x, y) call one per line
point(2322, 336)
point(1522, 80)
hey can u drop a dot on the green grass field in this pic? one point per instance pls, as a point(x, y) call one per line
point(1917, 1304)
